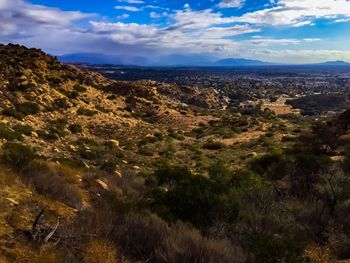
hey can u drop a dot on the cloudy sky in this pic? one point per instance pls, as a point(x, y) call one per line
point(283, 31)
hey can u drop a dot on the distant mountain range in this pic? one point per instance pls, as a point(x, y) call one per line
point(176, 60)
point(240, 62)
point(334, 63)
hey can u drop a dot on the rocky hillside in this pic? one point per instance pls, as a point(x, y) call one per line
point(68, 136)
point(95, 170)
point(59, 101)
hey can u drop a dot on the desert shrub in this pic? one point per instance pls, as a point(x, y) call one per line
point(147, 151)
point(9, 134)
point(60, 103)
point(167, 173)
point(12, 112)
point(147, 237)
point(56, 181)
point(75, 128)
point(185, 244)
point(86, 112)
point(74, 94)
point(22, 110)
point(270, 249)
point(100, 251)
point(109, 166)
point(89, 154)
point(28, 108)
point(272, 165)
point(140, 235)
point(23, 129)
point(79, 88)
point(112, 97)
point(192, 200)
point(176, 135)
point(16, 155)
point(56, 128)
point(213, 145)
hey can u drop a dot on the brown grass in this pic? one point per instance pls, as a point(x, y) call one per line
point(100, 251)
point(55, 181)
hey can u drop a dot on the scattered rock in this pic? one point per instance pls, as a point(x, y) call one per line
point(113, 142)
point(117, 173)
point(12, 201)
point(34, 134)
point(102, 184)
point(125, 162)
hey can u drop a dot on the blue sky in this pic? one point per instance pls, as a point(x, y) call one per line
point(283, 31)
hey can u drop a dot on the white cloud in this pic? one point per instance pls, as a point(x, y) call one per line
point(127, 8)
point(123, 16)
point(131, 1)
point(156, 15)
point(20, 18)
point(231, 3)
point(298, 12)
point(186, 31)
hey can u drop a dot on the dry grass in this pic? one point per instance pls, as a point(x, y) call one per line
point(100, 251)
point(46, 254)
point(149, 238)
point(55, 181)
point(316, 254)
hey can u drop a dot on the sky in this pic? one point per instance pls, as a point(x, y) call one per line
point(279, 31)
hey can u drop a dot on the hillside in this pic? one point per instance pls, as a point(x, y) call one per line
point(96, 170)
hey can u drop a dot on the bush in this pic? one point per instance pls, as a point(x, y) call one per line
point(212, 145)
point(147, 237)
point(86, 112)
point(271, 249)
point(56, 181)
point(16, 155)
point(12, 112)
point(60, 103)
point(191, 199)
point(21, 110)
point(28, 108)
point(75, 128)
point(57, 128)
point(23, 129)
point(9, 134)
point(79, 88)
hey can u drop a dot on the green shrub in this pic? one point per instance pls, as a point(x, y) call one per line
point(213, 145)
point(23, 129)
point(86, 112)
point(109, 166)
point(60, 103)
point(12, 112)
point(189, 198)
point(272, 249)
point(79, 88)
point(75, 128)
point(9, 134)
point(28, 108)
point(56, 128)
point(74, 94)
point(147, 237)
point(16, 155)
